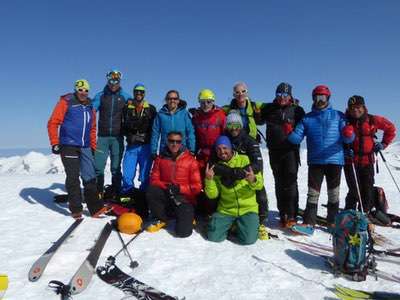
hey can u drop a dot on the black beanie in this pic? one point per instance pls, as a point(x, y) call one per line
point(355, 100)
point(284, 87)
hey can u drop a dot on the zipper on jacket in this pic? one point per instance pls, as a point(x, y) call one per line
point(237, 201)
point(84, 125)
point(112, 111)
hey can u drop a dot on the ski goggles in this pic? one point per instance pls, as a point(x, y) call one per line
point(282, 95)
point(320, 98)
point(233, 126)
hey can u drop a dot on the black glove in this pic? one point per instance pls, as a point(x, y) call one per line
point(173, 193)
point(56, 149)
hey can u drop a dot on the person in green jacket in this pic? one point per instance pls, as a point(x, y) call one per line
point(237, 203)
point(248, 109)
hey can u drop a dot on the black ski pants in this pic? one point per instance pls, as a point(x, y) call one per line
point(79, 162)
point(316, 174)
point(365, 178)
point(285, 165)
point(162, 207)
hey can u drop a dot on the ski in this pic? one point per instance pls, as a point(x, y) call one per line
point(84, 274)
point(40, 264)
point(345, 293)
point(113, 275)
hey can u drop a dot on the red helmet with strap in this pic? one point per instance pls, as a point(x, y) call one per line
point(321, 90)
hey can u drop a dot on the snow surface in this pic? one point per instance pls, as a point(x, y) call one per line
point(192, 268)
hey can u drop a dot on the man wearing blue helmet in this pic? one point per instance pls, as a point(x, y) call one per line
point(110, 104)
point(139, 115)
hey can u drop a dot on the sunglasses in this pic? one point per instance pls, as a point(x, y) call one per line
point(172, 98)
point(233, 126)
point(356, 107)
point(174, 142)
point(282, 95)
point(83, 90)
point(206, 101)
point(113, 81)
point(138, 92)
point(240, 92)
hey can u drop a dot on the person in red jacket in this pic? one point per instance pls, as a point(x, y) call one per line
point(174, 184)
point(72, 134)
point(209, 123)
point(362, 151)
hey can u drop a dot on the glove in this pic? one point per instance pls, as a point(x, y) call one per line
point(378, 147)
point(349, 153)
point(173, 189)
point(287, 128)
point(56, 149)
point(348, 131)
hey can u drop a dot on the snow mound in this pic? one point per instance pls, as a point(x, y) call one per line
point(392, 155)
point(33, 163)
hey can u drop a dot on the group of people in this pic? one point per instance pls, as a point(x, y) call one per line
point(207, 160)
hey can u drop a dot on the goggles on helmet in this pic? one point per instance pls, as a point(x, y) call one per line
point(320, 98)
point(282, 95)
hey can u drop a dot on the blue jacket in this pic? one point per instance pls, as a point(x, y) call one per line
point(166, 122)
point(110, 107)
point(323, 129)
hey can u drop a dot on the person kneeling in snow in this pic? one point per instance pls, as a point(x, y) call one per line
point(237, 203)
point(174, 184)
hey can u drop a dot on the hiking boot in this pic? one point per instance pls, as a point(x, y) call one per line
point(77, 215)
point(156, 226)
point(263, 233)
point(102, 212)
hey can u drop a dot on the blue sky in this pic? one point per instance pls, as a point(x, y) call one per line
point(351, 46)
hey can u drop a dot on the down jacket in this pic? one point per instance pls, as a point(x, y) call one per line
point(183, 171)
point(323, 129)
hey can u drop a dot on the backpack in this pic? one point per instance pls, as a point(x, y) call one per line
point(380, 201)
point(379, 214)
point(350, 243)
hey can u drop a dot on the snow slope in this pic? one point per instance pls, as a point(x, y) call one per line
point(193, 268)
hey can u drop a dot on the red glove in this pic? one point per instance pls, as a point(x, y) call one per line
point(287, 128)
point(348, 131)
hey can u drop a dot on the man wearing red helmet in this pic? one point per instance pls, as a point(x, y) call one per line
point(323, 127)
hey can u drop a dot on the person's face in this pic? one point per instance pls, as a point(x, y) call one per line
point(233, 129)
point(240, 94)
point(283, 99)
point(320, 101)
point(139, 95)
point(206, 105)
point(174, 143)
point(224, 152)
point(114, 87)
point(172, 101)
point(357, 111)
point(82, 94)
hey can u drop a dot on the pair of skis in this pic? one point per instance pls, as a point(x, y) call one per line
point(326, 253)
point(345, 293)
point(83, 275)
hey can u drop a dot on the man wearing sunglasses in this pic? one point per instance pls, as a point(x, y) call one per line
point(72, 134)
point(246, 108)
point(174, 184)
point(110, 104)
point(323, 127)
point(236, 203)
point(139, 115)
point(281, 116)
point(362, 151)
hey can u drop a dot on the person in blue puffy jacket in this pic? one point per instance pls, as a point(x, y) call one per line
point(323, 127)
point(173, 116)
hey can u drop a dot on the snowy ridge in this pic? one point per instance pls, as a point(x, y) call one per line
point(38, 163)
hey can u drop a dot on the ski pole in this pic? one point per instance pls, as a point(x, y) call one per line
point(390, 172)
point(124, 247)
point(357, 185)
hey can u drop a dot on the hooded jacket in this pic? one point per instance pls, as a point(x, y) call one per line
point(166, 122)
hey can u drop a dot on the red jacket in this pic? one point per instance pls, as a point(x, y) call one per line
point(208, 126)
point(183, 171)
point(365, 129)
